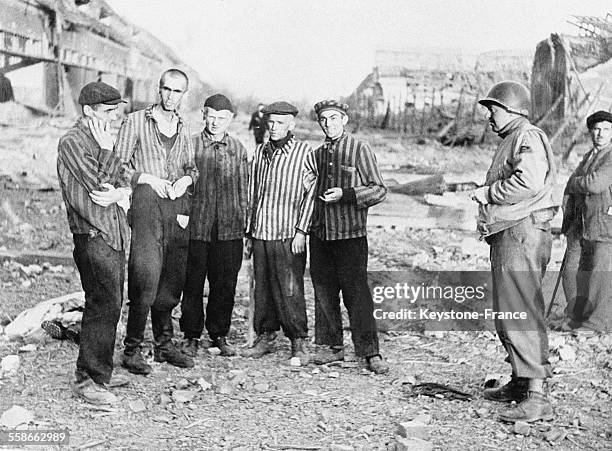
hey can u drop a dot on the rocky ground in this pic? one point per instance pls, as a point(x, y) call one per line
point(239, 403)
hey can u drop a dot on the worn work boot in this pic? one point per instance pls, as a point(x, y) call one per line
point(300, 350)
point(190, 347)
point(376, 365)
point(534, 407)
point(264, 344)
point(118, 380)
point(227, 350)
point(171, 354)
point(91, 392)
point(328, 355)
point(515, 390)
point(135, 363)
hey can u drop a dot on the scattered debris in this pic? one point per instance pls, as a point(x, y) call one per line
point(137, 406)
point(183, 396)
point(555, 435)
point(567, 352)
point(413, 428)
point(437, 391)
point(411, 444)
point(16, 416)
point(295, 361)
point(433, 184)
point(28, 348)
point(522, 428)
point(204, 384)
point(28, 322)
point(9, 365)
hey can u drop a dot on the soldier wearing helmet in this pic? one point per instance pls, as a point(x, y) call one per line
point(516, 204)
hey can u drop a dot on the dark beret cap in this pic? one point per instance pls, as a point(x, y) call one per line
point(99, 92)
point(219, 102)
point(331, 105)
point(598, 116)
point(280, 108)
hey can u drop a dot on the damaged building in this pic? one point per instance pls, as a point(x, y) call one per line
point(572, 75)
point(405, 81)
point(50, 48)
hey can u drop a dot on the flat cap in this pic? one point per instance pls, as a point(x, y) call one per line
point(219, 102)
point(598, 116)
point(280, 108)
point(99, 92)
point(331, 105)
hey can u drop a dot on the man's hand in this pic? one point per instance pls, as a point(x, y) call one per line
point(158, 185)
point(100, 132)
point(106, 198)
point(248, 248)
point(481, 195)
point(180, 186)
point(298, 245)
point(332, 195)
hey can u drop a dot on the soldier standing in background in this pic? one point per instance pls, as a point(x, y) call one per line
point(516, 205)
point(258, 124)
point(588, 220)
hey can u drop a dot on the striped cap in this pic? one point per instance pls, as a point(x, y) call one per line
point(331, 105)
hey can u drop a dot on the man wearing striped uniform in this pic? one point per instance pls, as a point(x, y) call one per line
point(87, 170)
point(158, 161)
point(280, 204)
point(218, 217)
point(347, 184)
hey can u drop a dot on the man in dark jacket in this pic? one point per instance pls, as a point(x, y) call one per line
point(258, 124)
point(588, 215)
point(218, 219)
point(88, 171)
point(348, 182)
point(517, 203)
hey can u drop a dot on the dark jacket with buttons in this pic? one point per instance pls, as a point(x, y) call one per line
point(588, 206)
point(221, 193)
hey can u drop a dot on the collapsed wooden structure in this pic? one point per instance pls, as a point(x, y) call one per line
point(434, 93)
point(422, 92)
point(77, 41)
point(571, 78)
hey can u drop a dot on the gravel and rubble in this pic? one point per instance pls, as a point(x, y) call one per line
point(242, 404)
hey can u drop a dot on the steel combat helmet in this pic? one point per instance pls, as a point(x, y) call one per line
point(510, 95)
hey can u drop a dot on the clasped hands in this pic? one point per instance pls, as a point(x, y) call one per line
point(165, 189)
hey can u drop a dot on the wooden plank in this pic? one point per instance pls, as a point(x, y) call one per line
point(434, 184)
point(33, 256)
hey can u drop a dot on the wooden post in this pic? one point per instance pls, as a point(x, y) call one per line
point(458, 115)
point(432, 106)
point(250, 335)
point(567, 120)
point(549, 111)
point(474, 108)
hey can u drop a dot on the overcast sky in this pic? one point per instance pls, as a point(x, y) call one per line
point(311, 49)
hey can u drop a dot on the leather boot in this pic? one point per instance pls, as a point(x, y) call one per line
point(190, 347)
point(328, 354)
point(171, 354)
point(534, 407)
point(376, 364)
point(135, 363)
point(300, 350)
point(515, 390)
point(264, 344)
point(227, 350)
